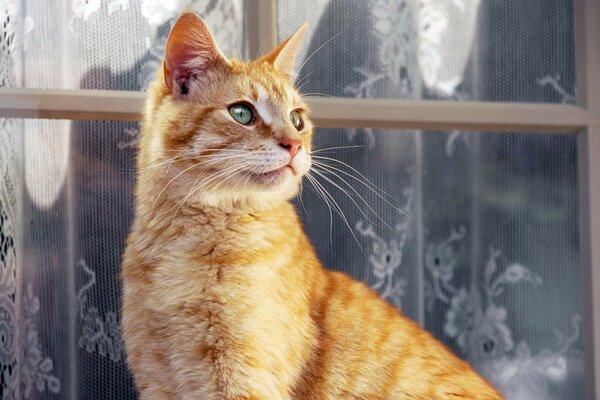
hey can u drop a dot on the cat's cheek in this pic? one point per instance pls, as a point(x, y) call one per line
point(301, 163)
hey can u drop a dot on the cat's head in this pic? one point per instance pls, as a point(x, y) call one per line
point(224, 132)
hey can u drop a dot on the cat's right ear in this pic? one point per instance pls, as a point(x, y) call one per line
point(190, 53)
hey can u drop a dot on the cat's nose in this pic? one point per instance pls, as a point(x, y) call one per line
point(291, 145)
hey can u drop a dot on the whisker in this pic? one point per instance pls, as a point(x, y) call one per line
point(319, 192)
point(350, 197)
point(363, 183)
point(341, 213)
point(299, 85)
point(212, 160)
point(315, 52)
point(182, 172)
point(245, 179)
point(334, 148)
point(196, 188)
point(168, 160)
point(171, 164)
point(224, 172)
point(165, 187)
point(180, 203)
point(318, 94)
point(183, 157)
point(228, 174)
point(366, 180)
point(339, 100)
point(325, 166)
point(300, 189)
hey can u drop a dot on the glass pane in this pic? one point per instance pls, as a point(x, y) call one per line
point(109, 45)
point(511, 50)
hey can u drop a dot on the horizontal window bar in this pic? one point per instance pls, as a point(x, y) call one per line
point(449, 115)
point(325, 112)
point(71, 104)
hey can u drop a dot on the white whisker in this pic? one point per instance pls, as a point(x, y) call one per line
point(350, 197)
point(184, 171)
point(175, 177)
point(300, 84)
point(370, 185)
point(337, 206)
point(334, 148)
point(195, 188)
point(319, 192)
point(315, 52)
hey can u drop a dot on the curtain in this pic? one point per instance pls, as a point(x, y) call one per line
point(472, 234)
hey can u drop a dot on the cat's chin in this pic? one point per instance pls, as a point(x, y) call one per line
point(272, 178)
point(261, 191)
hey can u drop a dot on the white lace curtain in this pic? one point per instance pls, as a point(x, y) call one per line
point(476, 235)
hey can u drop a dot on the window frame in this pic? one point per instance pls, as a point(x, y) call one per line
point(582, 120)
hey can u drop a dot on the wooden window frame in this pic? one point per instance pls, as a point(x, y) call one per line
point(582, 119)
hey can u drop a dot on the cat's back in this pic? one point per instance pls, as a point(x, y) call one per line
point(369, 350)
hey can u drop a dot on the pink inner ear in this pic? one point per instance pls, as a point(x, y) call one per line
point(190, 50)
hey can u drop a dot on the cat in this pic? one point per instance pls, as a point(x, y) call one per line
point(223, 294)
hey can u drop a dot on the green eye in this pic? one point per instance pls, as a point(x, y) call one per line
point(297, 121)
point(242, 113)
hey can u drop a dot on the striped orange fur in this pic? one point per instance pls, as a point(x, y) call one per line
point(224, 297)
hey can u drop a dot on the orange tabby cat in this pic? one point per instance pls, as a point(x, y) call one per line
point(224, 297)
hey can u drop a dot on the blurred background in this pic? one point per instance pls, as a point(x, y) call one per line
point(472, 234)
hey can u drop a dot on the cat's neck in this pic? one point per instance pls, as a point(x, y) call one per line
point(172, 213)
point(220, 235)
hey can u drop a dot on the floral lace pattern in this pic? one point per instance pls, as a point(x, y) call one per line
point(385, 255)
point(84, 9)
point(117, 5)
point(392, 23)
point(8, 15)
point(446, 29)
point(478, 322)
point(35, 369)
point(8, 268)
point(9, 186)
point(159, 12)
point(555, 84)
point(24, 368)
point(385, 258)
point(100, 334)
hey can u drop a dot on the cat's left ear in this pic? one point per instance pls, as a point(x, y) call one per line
point(283, 57)
point(191, 51)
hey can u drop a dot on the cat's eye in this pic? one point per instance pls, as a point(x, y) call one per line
point(242, 113)
point(296, 118)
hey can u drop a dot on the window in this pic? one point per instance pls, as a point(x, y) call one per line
point(464, 113)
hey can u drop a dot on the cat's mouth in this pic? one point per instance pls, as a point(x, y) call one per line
point(273, 177)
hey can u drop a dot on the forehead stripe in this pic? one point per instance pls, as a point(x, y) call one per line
point(262, 104)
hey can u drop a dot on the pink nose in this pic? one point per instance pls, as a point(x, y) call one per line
point(291, 145)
